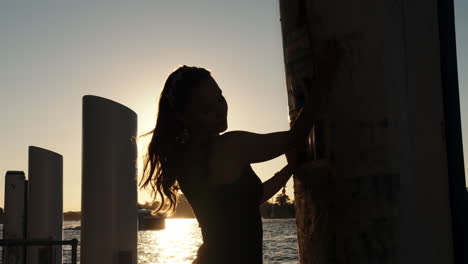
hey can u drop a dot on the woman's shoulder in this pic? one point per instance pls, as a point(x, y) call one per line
point(226, 146)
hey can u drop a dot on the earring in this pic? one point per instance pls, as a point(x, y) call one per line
point(183, 137)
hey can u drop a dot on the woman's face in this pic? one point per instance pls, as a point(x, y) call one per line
point(206, 112)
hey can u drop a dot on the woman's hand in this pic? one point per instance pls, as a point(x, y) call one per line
point(328, 60)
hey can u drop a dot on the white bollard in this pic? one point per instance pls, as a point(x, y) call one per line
point(45, 204)
point(15, 213)
point(109, 183)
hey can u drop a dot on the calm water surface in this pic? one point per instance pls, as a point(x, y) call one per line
point(179, 241)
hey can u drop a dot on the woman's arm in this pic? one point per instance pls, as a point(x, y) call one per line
point(247, 147)
point(274, 184)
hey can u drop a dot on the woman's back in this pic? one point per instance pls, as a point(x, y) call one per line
point(228, 215)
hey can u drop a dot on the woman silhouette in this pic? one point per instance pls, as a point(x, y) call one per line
point(213, 170)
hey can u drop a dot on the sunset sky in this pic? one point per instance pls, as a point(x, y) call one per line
point(52, 53)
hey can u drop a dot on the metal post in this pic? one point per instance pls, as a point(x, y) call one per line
point(51, 253)
point(42, 242)
point(74, 250)
point(26, 195)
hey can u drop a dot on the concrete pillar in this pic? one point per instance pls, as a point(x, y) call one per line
point(45, 204)
point(109, 183)
point(377, 188)
point(14, 224)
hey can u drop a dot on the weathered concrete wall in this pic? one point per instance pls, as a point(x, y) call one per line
point(377, 189)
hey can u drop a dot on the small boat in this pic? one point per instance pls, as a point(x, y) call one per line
point(146, 221)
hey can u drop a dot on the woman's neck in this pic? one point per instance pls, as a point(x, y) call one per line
point(200, 140)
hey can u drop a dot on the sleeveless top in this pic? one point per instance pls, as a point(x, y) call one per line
point(229, 219)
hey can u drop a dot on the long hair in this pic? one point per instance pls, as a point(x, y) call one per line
point(165, 146)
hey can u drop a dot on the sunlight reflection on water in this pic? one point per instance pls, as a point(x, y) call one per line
point(179, 242)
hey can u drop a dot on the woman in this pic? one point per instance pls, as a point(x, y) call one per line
point(213, 170)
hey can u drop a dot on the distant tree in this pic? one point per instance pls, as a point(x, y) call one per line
point(283, 198)
point(282, 208)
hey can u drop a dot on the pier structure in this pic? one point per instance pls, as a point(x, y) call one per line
point(109, 183)
point(385, 177)
point(14, 225)
point(44, 204)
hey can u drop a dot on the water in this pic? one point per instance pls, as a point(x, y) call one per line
point(179, 241)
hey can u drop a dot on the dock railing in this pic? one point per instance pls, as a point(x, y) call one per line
point(47, 257)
